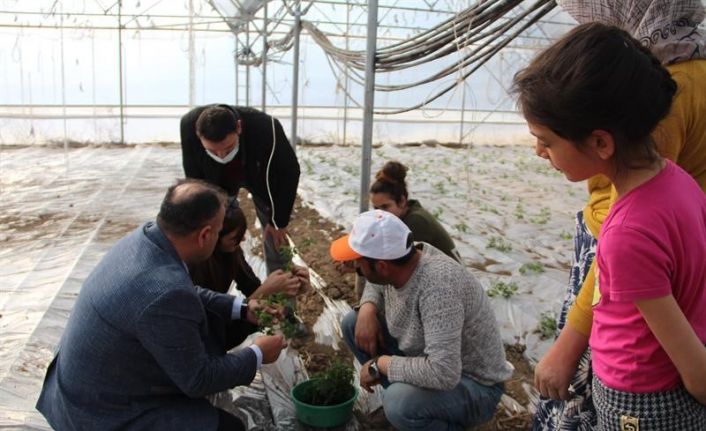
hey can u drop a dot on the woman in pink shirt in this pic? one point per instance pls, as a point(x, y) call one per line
point(591, 100)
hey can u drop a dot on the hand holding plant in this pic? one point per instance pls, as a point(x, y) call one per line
point(302, 274)
point(264, 312)
point(270, 321)
point(279, 236)
point(280, 282)
point(287, 253)
point(270, 346)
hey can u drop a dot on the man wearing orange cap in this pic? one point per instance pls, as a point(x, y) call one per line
point(425, 330)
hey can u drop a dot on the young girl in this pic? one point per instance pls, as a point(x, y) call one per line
point(591, 100)
point(228, 264)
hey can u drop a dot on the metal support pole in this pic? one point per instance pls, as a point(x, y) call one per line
point(235, 61)
point(264, 58)
point(369, 103)
point(346, 82)
point(247, 64)
point(192, 57)
point(463, 111)
point(18, 43)
point(120, 63)
point(63, 91)
point(295, 74)
point(93, 85)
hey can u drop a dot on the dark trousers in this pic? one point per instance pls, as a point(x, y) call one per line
point(229, 422)
point(273, 259)
point(226, 334)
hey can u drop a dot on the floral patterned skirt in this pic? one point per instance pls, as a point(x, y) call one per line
point(577, 413)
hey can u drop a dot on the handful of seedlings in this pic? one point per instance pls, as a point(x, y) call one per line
point(266, 321)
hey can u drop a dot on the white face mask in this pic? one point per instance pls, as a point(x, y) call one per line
point(227, 159)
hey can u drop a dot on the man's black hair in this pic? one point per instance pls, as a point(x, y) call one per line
point(185, 211)
point(216, 122)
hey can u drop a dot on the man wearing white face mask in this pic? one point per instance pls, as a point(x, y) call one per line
point(234, 147)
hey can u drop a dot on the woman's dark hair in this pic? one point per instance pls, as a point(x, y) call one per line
point(390, 180)
point(216, 122)
point(218, 272)
point(598, 77)
point(234, 218)
point(188, 206)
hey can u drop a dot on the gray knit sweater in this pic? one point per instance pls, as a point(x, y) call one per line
point(442, 321)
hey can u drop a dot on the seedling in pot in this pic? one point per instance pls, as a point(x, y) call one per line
point(331, 387)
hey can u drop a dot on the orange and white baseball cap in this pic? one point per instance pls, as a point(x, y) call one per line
point(376, 234)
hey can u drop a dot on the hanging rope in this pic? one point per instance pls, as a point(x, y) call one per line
point(479, 32)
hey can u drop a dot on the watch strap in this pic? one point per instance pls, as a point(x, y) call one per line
point(373, 369)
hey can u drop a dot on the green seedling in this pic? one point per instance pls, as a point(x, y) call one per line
point(498, 244)
point(542, 217)
point(306, 242)
point(486, 208)
point(519, 211)
point(529, 268)
point(309, 167)
point(333, 386)
point(547, 326)
point(461, 227)
point(506, 290)
point(287, 253)
point(266, 321)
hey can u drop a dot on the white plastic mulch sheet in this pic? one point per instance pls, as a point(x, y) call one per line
point(61, 211)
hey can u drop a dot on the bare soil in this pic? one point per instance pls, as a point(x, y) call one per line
point(312, 235)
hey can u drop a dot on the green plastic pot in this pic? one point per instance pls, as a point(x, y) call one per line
point(321, 416)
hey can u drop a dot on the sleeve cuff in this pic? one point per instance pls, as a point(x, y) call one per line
point(258, 353)
point(370, 294)
point(235, 311)
point(580, 321)
point(394, 370)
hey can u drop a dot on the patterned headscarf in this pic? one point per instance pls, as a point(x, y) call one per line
point(668, 28)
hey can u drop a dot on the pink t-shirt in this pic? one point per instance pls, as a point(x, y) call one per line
point(652, 244)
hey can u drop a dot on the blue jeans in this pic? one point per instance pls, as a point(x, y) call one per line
point(409, 407)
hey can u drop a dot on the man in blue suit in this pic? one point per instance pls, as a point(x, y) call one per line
point(143, 345)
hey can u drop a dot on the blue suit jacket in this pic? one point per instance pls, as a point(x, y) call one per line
point(136, 352)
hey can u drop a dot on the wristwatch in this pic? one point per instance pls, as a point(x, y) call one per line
point(244, 311)
point(373, 369)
